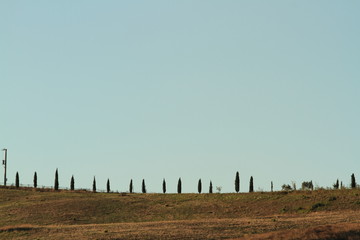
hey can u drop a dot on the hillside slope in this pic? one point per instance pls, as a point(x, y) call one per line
point(28, 213)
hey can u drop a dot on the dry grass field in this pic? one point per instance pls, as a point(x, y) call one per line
point(39, 214)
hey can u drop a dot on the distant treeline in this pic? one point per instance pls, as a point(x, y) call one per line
point(307, 185)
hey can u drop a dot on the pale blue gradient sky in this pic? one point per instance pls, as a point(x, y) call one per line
point(190, 89)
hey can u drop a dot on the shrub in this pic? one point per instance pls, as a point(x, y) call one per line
point(336, 185)
point(317, 205)
point(307, 186)
point(333, 198)
point(286, 187)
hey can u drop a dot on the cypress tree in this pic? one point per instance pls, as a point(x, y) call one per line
point(164, 186)
point(143, 187)
point(131, 186)
point(108, 186)
point(199, 186)
point(17, 181)
point(272, 186)
point(251, 187)
point(353, 181)
point(179, 186)
point(56, 185)
point(72, 183)
point(237, 182)
point(336, 184)
point(94, 185)
point(35, 180)
point(211, 188)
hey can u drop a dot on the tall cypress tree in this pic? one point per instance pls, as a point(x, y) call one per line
point(35, 180)
point(56, 184)
point(272, 186)
point(164, 186)
point(199, 186)
point(94, 185)
point(211, 188)
point(237, 182)
point(72, 183)
point(143, 187)
point(251, 185)
point(108, 186)
point(179, 186)
point(17, 181)
point(353, 181)
point(131, 186)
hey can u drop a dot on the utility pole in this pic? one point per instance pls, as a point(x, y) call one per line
point(4, 163)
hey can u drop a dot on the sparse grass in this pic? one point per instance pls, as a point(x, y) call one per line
point(230, 215)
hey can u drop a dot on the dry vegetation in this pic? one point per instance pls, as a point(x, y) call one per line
point(322, 214)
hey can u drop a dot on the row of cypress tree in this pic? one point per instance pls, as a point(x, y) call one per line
point(179, 186)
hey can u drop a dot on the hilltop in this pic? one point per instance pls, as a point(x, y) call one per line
point(38, 214)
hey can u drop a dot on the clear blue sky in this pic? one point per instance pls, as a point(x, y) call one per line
point(192, 89)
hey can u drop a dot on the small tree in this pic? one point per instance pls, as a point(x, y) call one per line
point(164, 186)
point(353, 181)
point(307, 186)
point(72, 183)
point(251, 185)
point(199, 186)
point(272, 186)
point(56, 184)
point(108, 186)
point(179, 186)
point(35, 180)
point(336, 185)
point(17, 181)
point(286, 187)
point(143, 187)
point(131, 186)
point(94, 185)
point(211, 188)
point(237, 182)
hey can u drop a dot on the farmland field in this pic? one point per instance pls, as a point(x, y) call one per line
point(43, 214)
